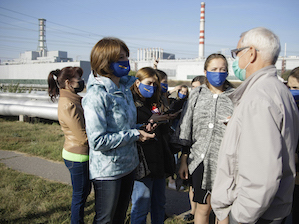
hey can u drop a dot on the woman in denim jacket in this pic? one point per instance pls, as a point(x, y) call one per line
point(110, 116)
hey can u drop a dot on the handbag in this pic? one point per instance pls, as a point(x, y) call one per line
point(169, 161)
point(142, 169)
point(174, 146)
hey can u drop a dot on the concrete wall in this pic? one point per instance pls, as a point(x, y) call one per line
point(175, 69)
point(187, 69)
point(39, 71)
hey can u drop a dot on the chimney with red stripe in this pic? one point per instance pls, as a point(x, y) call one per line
point(202, 32)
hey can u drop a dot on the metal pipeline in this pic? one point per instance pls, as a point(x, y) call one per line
point(32, 105)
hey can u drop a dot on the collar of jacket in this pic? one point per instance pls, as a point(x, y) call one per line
point(68, 94)
point(137, 99)
point(108, 84)
point(251, 80)
point(203, 88)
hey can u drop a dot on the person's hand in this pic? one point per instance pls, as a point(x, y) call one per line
point(183, 171)
point(176, 88)
point(156, 61)
point(151, 126)
point(158, 117)
point(226, 120)
point(174, 115)
point(144, 136)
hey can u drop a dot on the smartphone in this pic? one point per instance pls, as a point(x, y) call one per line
point(169, 112)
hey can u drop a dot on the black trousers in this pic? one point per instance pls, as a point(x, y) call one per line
point(295, 208)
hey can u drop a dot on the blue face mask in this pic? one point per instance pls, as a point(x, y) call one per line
point(164, 87)
point(146, 90)
point(216, 78)
point(295, 94)
point(181, 96)
point(120, 68)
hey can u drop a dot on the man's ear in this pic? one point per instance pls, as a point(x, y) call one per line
point(253, 54)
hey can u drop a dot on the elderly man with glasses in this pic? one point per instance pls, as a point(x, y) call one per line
point(256, 168)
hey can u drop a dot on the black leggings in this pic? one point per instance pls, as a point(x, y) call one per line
point(112, 199)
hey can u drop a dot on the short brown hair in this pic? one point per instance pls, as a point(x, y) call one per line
point(106, 51)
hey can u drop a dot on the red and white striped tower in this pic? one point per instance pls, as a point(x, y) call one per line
point(202, 32)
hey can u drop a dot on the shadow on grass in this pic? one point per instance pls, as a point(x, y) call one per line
point(49, 215)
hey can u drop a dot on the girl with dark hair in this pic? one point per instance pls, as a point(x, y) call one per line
point(293, 79)
point(200, 132)
point(110, 116)
point(198, 80)
point(177, 103)
point(66, 83)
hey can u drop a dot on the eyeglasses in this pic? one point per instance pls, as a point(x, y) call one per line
point(236, 51)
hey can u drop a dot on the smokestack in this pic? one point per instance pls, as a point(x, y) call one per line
point(283, 62)
point(202, 32)
point(42, 46)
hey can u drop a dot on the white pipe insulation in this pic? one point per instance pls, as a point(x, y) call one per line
point(32, 105)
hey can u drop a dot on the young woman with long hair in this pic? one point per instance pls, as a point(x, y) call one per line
point(66, 83)
point(201, 130)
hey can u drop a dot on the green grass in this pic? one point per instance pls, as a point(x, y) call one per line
point(39, 139)
point(29, 199)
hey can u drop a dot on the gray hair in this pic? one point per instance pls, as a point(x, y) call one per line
point(263, 40)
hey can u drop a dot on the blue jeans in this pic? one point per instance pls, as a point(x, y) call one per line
point(112, 199)
point(81, 188)
point(148, 196)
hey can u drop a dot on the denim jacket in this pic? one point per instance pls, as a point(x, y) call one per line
point(110, 116)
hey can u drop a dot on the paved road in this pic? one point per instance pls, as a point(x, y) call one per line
point(176, 202)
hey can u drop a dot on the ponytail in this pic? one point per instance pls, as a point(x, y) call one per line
point(56, 79)
point(53, 84)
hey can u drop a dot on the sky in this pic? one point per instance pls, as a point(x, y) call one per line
point(76, 26)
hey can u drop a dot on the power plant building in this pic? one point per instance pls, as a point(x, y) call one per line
point(33, 67)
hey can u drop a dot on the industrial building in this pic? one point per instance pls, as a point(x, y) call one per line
point(187, 69)
point(33, 67)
